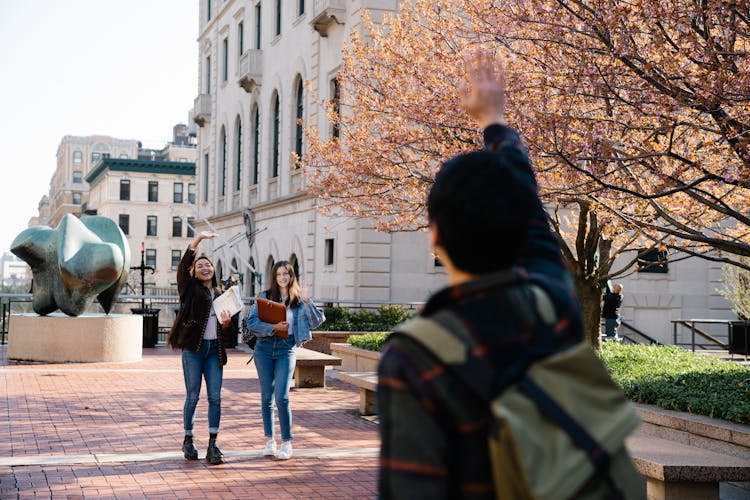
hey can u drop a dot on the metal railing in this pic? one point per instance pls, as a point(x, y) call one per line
point(636, 336)
point(711, 340)
point(15, 303)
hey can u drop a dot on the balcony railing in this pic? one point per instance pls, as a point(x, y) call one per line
point(326, 13)
point(251, 69)
point(202, 109)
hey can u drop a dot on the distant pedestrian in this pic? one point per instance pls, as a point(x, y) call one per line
point(200, 333)
point(274, 351)
point(611, 311)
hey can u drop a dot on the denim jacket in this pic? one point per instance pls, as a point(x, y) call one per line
point(307, 316)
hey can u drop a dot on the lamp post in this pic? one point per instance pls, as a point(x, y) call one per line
point(143, 268)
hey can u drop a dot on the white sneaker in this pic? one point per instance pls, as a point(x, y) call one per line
point(270, 449)
point(286, 451)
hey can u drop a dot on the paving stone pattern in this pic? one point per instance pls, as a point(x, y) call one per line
point(111, 430)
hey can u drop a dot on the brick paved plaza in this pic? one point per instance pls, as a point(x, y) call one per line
point(115, 431)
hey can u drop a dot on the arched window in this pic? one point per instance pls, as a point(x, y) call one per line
point(299, 115)
point(276, 137)
point(295, 265)
point(223, 144)
point(269, 268)
point(336, 104)
point(238, 154)
point(256, 145)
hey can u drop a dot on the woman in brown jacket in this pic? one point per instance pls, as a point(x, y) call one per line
point(199, 333)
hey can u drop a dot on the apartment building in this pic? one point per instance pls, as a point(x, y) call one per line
point(148, 192)
point(254, 59)
point(76, 156)
point(151, 202)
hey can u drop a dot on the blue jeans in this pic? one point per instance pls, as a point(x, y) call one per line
point(610, 327)
point(195, 366)
point(274, 361)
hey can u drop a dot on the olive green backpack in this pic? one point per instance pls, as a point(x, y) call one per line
point(560, 431)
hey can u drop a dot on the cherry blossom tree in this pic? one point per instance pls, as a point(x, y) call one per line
point(634, 114)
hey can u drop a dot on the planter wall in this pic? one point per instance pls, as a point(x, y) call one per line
point(322, 340)
point(355, 359)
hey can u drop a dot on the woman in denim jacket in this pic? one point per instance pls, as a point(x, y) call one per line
point(274, 352)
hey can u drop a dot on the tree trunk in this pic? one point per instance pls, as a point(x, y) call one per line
point(590, 295)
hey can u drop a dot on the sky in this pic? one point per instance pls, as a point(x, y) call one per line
point(128, 70)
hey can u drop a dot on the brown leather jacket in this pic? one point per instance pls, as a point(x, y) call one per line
point(195, 304)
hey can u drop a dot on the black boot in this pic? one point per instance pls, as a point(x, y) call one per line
point(213, 454)
point(188, 449)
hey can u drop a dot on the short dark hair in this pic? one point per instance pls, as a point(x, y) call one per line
point(481, 206)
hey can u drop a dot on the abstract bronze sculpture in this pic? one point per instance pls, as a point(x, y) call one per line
point(81, 259)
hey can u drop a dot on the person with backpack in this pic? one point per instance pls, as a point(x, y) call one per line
point(510, 303)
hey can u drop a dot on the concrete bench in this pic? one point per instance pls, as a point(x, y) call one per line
point(368, 386)
point(678, 471)
point(310, 369)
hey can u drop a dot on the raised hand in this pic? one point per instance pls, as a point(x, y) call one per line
point(484, 97)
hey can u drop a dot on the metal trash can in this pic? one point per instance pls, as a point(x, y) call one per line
point(150, 325)
point(738, 337)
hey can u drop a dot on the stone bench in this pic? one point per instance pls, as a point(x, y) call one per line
point(310, 369)
point(368, 386)
point(678, 471)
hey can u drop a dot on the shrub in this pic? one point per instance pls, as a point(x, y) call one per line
point(369, 341)
point(364, 320)
point(676, 379)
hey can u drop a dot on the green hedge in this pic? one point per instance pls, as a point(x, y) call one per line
point(666, 376)
point(676, 379)
point(369, 341)
point(384, 318)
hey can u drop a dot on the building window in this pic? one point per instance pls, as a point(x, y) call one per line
point(238, 155)
point(124, 189)
point(300, 7)
point(240, 39)
point(77, 176)
point(76, 198)
point(256, 145)
point(176, 256)
point(190, 232)
point(257, 26)
point(277, 24)
point(336, 106)
point(124, 156)
point(153, 191)
point(77, 157)
point(208, 75)
point(225, 59)
point(653, 260)
point(151, 257)
point(223, 162)
point(95, 157)
point(298, 121)
point(205, 177)
point(177, 192)
point(177, 227)
point(208, 10)
point(276, 133)
point(123, 220)
point(328, 252)
point(191, 193)
point(151, 225)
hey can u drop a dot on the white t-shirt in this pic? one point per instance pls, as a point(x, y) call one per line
point(210, 332)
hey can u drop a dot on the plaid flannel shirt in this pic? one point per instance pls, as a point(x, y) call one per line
point(434, 431)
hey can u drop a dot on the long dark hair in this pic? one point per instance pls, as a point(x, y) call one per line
point(274, 292)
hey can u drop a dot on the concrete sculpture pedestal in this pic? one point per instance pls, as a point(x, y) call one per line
point(89, 338)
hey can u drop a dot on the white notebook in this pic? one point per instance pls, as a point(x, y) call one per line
point(230, 301)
